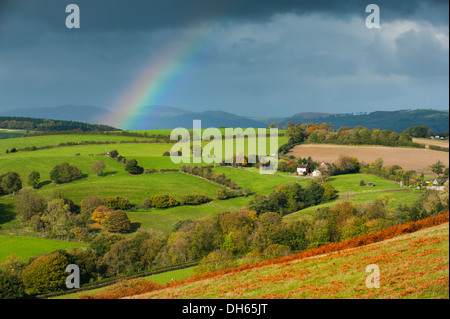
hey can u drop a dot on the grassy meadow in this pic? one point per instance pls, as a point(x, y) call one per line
point(26, 247)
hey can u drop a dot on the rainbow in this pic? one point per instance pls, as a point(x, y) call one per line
point(163, 76)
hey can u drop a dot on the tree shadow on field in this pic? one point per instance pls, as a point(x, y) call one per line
point(109, 173)
point(7, 213)
point(134, 227)
point(44, 183)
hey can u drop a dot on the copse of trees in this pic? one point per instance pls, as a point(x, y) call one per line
point(206, 172)
point(422, 131)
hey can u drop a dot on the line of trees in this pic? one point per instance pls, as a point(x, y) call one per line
point(206, 172)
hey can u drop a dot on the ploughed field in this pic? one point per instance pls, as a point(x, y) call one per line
point(408, 158)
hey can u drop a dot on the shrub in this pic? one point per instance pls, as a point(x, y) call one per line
point(117, 222)
point(194, 199)
point(222, 194)
point(163, 201)
point(147, 203)
point(117, 202)
point(45, 274)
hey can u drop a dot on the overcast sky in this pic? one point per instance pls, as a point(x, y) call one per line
point(258, 58)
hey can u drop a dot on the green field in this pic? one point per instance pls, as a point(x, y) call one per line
point(395, 197)
point(54, 140)
point(8, 134)
point(26, 247)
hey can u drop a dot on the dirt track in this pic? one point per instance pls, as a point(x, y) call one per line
point(407, 158)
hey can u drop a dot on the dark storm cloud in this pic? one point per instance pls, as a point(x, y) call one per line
point(313, 55)
point(112, 15)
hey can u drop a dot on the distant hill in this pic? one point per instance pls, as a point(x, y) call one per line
point(35, 124)
point(76, 113)
point(398, 121)
point(164, 117)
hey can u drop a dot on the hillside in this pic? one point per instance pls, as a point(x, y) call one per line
point(49, 123)
point(79, 113)
point(397, 121)
point(411, 266)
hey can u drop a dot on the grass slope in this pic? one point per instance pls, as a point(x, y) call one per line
point(415, 265)
point(26, 247)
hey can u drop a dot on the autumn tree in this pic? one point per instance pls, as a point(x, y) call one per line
point(101, 213)
point(45, 274)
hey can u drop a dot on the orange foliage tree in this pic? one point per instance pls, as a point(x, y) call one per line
point(101, 213)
